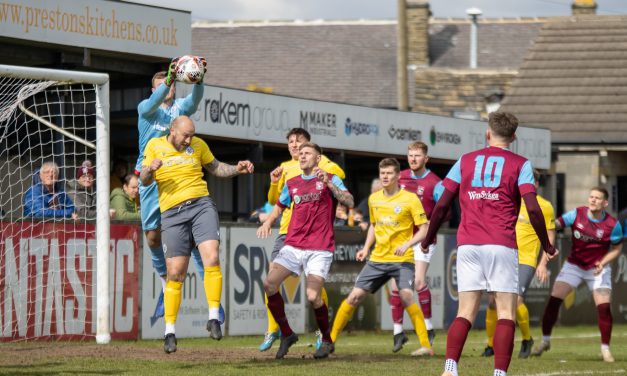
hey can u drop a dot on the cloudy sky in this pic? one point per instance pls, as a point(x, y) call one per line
point(371, 9)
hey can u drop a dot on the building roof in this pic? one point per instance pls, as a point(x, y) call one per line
point(574, 80)
point(345, 61)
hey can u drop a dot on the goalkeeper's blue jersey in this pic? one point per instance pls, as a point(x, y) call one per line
point(154, 120)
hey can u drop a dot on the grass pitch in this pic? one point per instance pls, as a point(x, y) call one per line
point(575, 351)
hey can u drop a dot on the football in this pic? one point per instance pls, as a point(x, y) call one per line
point(189, 70)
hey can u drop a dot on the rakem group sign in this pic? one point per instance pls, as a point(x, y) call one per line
point(259, 117)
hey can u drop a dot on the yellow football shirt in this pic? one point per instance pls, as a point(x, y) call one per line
point(180, 176)
point(526, 238)
point(394, 219)
point(292, 169)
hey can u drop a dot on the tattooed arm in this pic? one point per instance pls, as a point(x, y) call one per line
point(223, 170)
point(343, 197)
point(336, 186)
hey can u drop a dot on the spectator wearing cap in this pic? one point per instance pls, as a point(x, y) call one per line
point(46, 198)
point(124, 200)
point(82, 192)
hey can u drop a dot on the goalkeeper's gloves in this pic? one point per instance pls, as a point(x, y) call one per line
point(202, 61)
point(171, 77)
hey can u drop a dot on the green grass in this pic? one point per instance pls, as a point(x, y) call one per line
point(575, 351)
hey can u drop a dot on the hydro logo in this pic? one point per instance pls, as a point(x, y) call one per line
point(357, 129)
point(250, 267)
point(443, 137)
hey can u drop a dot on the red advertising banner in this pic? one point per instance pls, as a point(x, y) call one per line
point(48, 281)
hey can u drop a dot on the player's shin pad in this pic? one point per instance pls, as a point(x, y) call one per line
point(418, 320)
point(342, 317)
point(172, 301)
point(213, 286)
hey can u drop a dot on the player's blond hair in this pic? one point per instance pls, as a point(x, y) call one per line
point(317, 148)
point(418, 145)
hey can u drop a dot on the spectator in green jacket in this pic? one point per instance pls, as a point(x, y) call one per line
point(124, 200)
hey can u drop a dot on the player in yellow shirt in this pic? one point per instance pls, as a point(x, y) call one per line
point(287, 170)
point(394, 214)
point(528, 250)
point(189, 217)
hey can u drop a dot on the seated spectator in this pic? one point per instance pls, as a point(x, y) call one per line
point(123, 200)
point(341, 215)
point(118, 174)
point(46, 198)
point(82, 192)
point(358, 218)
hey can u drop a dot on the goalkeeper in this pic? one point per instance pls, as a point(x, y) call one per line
point(155, 117)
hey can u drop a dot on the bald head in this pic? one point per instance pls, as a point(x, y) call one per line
point(181, 132)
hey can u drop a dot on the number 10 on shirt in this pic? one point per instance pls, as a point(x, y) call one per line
point(491, 177)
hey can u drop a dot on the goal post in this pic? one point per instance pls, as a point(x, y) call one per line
point(64, 99)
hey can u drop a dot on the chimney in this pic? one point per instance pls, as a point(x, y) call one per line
point(418, 14)
point(474, 13)
point(584, 7)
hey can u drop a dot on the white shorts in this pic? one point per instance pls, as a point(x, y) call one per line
point(310, 261)
point(487, 267)
point(424, 257)
point(574, 275)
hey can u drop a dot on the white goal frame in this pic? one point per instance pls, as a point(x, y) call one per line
point(101, 80)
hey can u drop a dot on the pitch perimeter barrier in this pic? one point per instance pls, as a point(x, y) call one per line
point(44, 282)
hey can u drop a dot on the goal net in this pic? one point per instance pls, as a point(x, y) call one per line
point(54, 204)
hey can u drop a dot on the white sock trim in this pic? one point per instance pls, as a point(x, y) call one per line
point(428, 324)
point(169, 328)
point(546, 339)
point(214, 313)
point(451, 366)
point(499, 372)
point(398, 328)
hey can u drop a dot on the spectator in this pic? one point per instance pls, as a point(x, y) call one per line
point(119, 170)
point(358, 217)
point(123, 200)
point(45, 198)
point(341, 215)
point(82, 192)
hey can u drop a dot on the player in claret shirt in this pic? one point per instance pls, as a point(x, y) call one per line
point(490, 183)
point(417, 179)
point(309, 244)
point(596, 242)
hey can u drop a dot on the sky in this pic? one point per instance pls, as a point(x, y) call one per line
point(225, 10)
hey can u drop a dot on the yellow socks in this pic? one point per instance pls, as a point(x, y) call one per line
point(324, 296)
point(522, 318)
point(342, 317)
point(213, 289)
point(171, 301)
point(273, 326)
point(418, 319)
point(490, 325)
